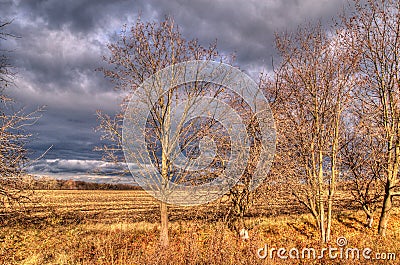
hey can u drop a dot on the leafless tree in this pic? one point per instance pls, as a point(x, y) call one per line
point(13, 136)
point(375, 25)
point(6, 73)
point(363, 168)
point(243, 195)
point(312, 91)
point(137, 57)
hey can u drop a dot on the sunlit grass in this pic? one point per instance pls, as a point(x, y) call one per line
point(74, 234)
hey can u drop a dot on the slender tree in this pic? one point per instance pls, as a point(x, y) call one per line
point(140, 53)
point(313, 81)
point(13, 136)
point(375, 25)
point(363, 168)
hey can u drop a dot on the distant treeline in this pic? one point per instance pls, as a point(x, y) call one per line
point(60, 184)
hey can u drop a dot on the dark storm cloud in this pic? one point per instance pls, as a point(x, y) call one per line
point(246, 27)
point(62, 43)
point(68, 135)
point(79, 16)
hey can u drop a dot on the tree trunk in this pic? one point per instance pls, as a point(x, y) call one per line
point(165, 142)
point(329, 220)
point(164, 239)
point(370, 221)
point(385, 214)
point(322, 221)
point(321, 196)
point(332, 184)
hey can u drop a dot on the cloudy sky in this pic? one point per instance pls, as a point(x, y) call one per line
point(62, 43)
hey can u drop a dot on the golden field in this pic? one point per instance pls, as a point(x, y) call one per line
point(121, 227)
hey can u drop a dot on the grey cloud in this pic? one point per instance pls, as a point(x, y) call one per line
point(74, 166)
point(79, 16)
point(62, 43)
point(246, 27)
point(79, 169)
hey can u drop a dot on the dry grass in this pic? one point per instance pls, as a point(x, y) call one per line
point(121, 227)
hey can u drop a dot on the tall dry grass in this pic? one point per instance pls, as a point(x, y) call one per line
point(79, 237)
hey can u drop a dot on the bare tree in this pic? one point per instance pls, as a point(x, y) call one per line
point(243, 195)
point(13, 136)
point(138, 56)
point(375, 26)
point(312, 92)
point(241, 198)
point(5, 66)
point(363, 168)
